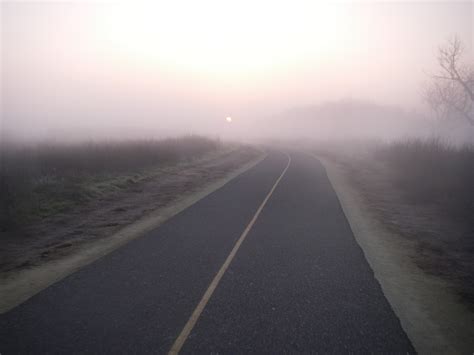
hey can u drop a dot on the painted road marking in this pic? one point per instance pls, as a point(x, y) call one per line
point(179, 342)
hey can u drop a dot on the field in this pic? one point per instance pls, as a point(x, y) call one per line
point(432, 173)
point(41, 181)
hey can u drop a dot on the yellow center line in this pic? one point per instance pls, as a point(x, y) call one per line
point(178, 344)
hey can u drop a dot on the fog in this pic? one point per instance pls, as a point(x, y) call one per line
point(86, 70)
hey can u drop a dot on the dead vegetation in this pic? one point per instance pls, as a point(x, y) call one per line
point(37, 182)
point(430, 172)
point(422, 190)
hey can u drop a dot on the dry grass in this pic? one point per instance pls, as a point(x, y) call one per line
point(44, 180)
point(422, 190)
point(432, 172)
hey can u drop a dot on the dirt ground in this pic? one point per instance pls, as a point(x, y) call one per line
point(73, 239)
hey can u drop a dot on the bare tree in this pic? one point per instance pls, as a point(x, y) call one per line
point(451, 91)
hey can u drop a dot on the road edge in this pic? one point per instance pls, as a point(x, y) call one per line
point(431, 316)
point(32, 281)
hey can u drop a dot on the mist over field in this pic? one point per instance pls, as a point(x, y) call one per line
point(249, 176)
point(74, 71)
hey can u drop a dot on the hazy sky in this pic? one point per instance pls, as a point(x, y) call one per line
point(154, 67)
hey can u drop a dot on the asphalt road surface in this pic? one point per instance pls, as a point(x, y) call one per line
point(298, 282)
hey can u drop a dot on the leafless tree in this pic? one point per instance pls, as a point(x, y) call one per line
point(451, 91)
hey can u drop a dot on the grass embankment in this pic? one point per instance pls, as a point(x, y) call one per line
point(46, 180)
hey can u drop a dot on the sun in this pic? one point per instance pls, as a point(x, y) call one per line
point(228, 119)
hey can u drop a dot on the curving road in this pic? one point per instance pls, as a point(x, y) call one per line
point(259, 266)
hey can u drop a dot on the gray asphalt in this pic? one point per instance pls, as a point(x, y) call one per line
point(298, 284)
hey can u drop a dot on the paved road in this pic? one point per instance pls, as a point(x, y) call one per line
point(298, 283)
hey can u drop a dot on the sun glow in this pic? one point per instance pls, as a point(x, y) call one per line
point(222, 39)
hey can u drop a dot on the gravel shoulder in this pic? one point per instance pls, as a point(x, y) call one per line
point(430, 310)
point(58, 246)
